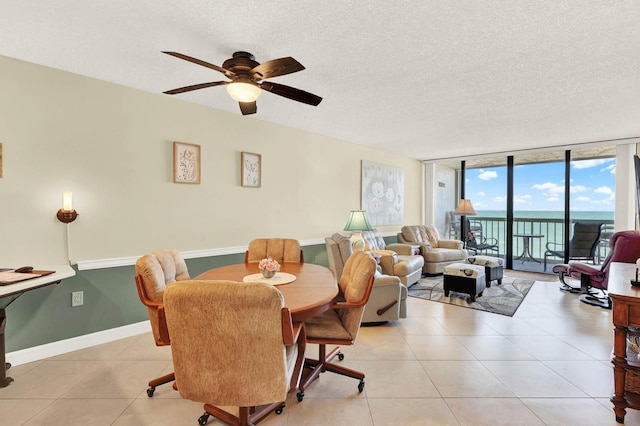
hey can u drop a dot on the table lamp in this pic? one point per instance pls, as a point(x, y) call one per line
point(357, 223)
point(464, 209)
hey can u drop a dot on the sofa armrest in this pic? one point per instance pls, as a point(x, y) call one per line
point(388, 258)
point(451, 244)
point(404, 249)
point(386, 280)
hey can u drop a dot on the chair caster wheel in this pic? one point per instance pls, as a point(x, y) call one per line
point(300, 396)
point(340, 356)
point(280, 408)
point(150, 391)
point(202, 420)
point(361, 386)
point(7, 365)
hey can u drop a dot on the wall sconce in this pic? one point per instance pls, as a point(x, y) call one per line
point(67, 214)
point(357, 223)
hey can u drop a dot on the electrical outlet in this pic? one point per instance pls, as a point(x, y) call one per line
point(77, 298)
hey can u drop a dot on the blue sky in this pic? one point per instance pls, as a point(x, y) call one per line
point(541, 186)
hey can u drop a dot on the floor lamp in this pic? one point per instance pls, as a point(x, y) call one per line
point(464, 209)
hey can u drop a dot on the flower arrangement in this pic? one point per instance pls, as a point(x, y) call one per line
point(268, 267)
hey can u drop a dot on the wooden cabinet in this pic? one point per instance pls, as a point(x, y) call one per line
point(626, 321)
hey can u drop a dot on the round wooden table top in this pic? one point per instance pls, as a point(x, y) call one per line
point(309, 295)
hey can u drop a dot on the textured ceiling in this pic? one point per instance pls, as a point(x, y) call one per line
point(426, 79)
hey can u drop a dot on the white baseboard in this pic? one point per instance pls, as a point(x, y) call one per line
point(48, 350)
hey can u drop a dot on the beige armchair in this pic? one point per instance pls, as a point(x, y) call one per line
point(400, 260)
point(388, 300)
point(279, 249)
point(154, 271)
point(233, 344)
point(340, 325)
point(437, 253)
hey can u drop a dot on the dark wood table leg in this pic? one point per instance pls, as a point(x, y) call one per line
point(4, 365)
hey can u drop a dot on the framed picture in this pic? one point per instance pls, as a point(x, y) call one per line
point(186, 163)
point(251, 169)
point(383, 193)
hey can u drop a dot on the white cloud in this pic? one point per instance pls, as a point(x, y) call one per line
point(553, 199)
point(522, 199)
point(550, 188)
point(577, 188)
point(481, 194)
point(603, 190)
point(583, 198)
point(487, 174)
point(585, 164)
point(611, 168)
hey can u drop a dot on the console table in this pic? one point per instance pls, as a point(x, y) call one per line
point(626, 315)
point(10, 292)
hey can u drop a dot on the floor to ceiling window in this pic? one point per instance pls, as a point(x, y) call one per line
point(543, 187)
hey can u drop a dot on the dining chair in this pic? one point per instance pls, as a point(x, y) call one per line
point(154, 271)
point(233, 344)
point(279, 249)
point(340, 324)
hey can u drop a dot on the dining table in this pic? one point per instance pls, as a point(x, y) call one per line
point(308, 290)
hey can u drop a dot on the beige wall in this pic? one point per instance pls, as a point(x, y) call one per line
point(112, 146)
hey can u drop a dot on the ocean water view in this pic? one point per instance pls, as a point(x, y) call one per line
point(547, 214)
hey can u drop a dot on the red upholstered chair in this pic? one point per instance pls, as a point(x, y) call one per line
point(625, 248)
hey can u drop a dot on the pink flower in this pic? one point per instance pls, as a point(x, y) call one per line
point(268, 264)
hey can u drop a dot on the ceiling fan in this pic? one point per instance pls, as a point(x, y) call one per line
point(247, 79)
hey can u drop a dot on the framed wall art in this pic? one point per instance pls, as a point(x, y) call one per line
point(186, 163)
point(383, 193)
point(251, 169)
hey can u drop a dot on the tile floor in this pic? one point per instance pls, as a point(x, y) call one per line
point(444, 365)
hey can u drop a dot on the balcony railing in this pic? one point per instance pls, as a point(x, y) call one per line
point(552, 230)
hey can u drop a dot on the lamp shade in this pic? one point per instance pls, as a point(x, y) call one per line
point(465, 209)
point(358, 221)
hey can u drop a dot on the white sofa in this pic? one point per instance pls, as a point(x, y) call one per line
point(395, 259)
point(437, 253)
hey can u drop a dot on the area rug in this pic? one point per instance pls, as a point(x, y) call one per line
point(501, 299)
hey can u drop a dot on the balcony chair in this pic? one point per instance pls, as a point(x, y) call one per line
point(437, 253)
point(340, 325)
point(625, 248)
point(233, 344)
point(582, 245)
point(154, 271)
point(279, 249)
point(399, 260)
point(477, 243)
point(388, 301)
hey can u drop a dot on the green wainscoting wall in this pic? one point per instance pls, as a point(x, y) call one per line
point(110, 300)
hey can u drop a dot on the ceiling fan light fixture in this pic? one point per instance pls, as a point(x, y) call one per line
point(243, 92)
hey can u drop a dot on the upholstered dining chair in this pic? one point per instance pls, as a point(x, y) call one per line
point(154, 271)
point(279, 249)
point(341, 324)
point(388, 301)
point(233, 344)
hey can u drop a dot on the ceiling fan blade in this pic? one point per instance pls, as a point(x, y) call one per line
point(291, 93)
point(276, 68)
point(248, 107)
point(195, 87)
point(203, 63)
